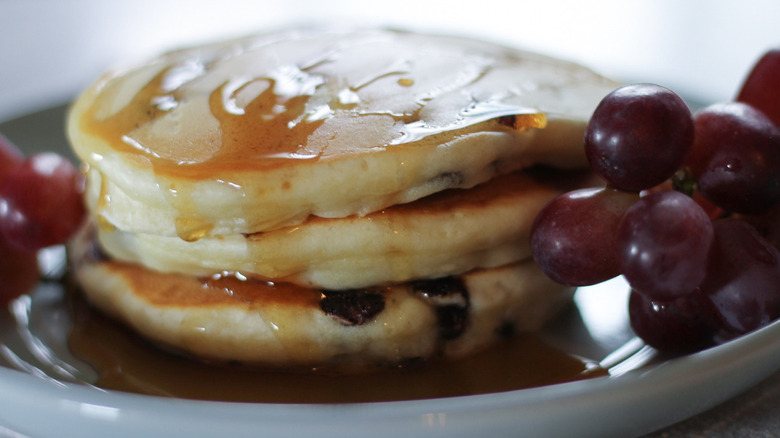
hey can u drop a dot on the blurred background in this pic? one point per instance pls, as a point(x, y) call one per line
point(49, 50)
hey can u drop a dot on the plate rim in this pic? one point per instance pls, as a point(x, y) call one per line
point(750, 359)
point(755, 357)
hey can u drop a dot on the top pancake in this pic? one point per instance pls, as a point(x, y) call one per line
point(259, 133)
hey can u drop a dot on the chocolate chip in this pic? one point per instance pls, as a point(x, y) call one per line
point(440, 287)
point(506, 121)
point(451, 299)
point(506, 330)
point(452, 321)
point(352, 307)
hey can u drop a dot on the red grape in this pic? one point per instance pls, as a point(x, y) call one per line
point(18, 272)
point(18, 269)
point(40, 202)
point(638, 136)
point(743, 277)
point(10, 157)
point(761, 88)
point(767, 224)
point(736, 158)
point(688, 186)
point(678, 326)
point(573, 237)
point(692, 279)
point(662, 244)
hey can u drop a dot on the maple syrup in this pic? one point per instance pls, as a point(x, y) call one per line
point(126, 362)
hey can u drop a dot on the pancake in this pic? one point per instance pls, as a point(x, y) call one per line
point(448, 233)
point(263, 132)
point(228, 319)
point(322, 198)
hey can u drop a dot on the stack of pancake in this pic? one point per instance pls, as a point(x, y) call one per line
point(322, 198)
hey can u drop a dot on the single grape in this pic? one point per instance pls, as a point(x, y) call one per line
point(736, 158)
point(683, 325)
point(743, 277)
point(662, 245)
point(10, 157)
point(572, 238)
point(18, 272)
point(761, 88)
point(40, 202)
point(638, 136)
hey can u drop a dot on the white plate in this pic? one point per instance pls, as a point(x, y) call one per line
point(41, 401)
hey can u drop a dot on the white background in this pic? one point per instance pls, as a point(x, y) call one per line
point(49, 50)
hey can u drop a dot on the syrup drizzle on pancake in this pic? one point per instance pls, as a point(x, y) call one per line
point(205, 115)
point(261, 112)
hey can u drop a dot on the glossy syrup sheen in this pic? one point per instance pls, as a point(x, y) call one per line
point(243, 111)
point(126, 362)
point(178, 289)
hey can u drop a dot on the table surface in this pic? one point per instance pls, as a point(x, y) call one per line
point(753, 414)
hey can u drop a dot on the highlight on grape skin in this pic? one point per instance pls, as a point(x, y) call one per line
point(682, 325)
point(636, 125)
point(40, 202)
point(19, 271)
point(736, 157)
point(572, 238)
point(663, 242)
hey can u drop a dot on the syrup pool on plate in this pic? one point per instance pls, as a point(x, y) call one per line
point(126, 362)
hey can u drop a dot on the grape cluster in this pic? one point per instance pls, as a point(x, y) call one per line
point(689, 215)
point(40, 206)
